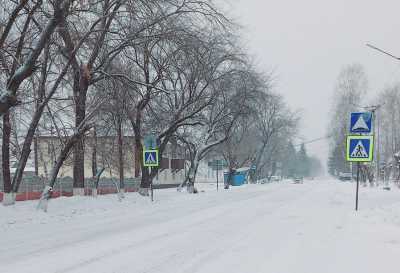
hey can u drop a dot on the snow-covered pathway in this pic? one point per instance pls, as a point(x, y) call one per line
point(258, 228)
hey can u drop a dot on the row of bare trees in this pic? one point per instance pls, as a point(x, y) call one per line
point(388, 132)
point(351, 87)
point(171, 68)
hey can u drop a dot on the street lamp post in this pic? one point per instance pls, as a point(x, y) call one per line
point(373, 109)
point(394, 57)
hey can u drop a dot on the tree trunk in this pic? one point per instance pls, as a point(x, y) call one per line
point(194, 166)
point(94, 153)
point(94, 164)
point(257, 162)
point(137, 162)
point(229, 180)
point(120, 155)
point(48, 191)
point(145, 181)
point(36, 158)
point(26, 149)
point(81, 81)
point(43, 162)
point(41, 93)
point(8, 196)
point(79, 168)
point(135, 123)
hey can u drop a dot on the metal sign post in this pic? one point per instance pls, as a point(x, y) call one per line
point(358, 184)
point(217, 177)
point(359, 149)
point(151, 187)
point(151, 159)
point(216, 165)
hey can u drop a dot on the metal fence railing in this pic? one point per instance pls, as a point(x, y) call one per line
point(32, 186)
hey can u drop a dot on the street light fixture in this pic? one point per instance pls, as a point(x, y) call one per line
point(383, 52)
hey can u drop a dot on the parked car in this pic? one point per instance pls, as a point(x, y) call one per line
point(298, 180)
point(345, 176)
point(263, 181)
point(275, 178)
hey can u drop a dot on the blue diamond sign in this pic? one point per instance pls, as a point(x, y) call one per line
point(150, 158)
point(361, 123)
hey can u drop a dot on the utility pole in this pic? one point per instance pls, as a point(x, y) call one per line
point(397, 59)
point(374, 109)
point(358, 184)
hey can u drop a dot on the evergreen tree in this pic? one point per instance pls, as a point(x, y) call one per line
point(290, 161)
point(337, 160)
point(303, 162)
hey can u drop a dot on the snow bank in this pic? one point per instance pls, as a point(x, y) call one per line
point(279, 227)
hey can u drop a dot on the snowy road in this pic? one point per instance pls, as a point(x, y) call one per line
point(273, 228)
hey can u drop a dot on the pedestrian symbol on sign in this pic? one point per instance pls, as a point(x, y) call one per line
point(359, 151)
point(360, 148)
point(150, 158)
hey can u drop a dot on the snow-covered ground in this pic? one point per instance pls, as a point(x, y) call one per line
point(285, 227)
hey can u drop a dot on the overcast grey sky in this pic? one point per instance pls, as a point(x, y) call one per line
point(307, 42)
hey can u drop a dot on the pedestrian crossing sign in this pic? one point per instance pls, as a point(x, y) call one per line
point(360, 148)
point(150, 158)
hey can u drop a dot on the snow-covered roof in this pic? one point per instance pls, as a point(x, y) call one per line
point(243, 169)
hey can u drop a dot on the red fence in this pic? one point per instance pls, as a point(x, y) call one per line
point(35, 195)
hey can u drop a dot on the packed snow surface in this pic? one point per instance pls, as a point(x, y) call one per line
point(277, 228)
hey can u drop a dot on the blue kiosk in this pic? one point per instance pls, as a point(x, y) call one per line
point(239, 176)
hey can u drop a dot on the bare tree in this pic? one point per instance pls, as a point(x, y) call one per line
point(273, 121)
point(65, 151)
point(24, 63)
point(42, 102)
point(233, 98)
point(165, 67)
point(350, 85)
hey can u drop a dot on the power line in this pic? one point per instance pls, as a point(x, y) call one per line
point(314, 140)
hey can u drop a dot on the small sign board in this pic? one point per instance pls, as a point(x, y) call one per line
point(150, 142)
point(359, 148)
point(150, 158)
point(361, 123)
point(217, 164)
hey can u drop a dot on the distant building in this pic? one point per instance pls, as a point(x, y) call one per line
point(171, 171)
